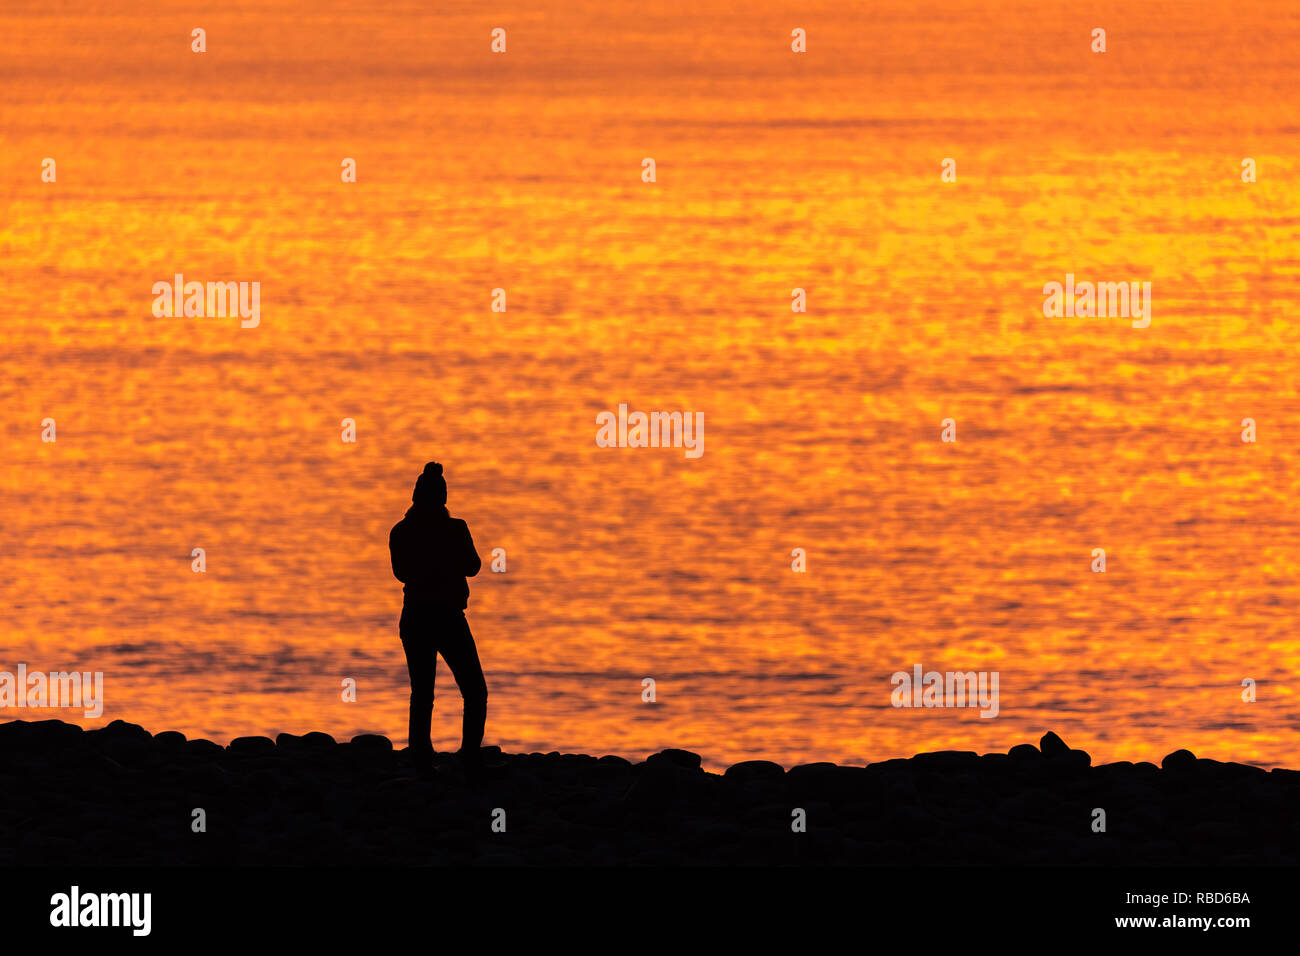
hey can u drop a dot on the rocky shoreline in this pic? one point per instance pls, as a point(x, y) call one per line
point(120, 795)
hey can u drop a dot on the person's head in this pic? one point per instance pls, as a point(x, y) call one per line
point(430, 487)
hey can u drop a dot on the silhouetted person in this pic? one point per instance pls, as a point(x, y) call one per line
point(432, 555)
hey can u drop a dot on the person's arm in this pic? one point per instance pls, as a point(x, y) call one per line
point(399, 556)
point(472, 560)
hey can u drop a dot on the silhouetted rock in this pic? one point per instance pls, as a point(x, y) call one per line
point(996, 762)
point(252, 745)
point(1227, 770)
point(121, 728)
point(948, 760)
point(1025, 753)
point(1052, 745)
point(896, 765)
point(1121, 771)
point(748, 771)
point(310, 801)
point(822, 770)
point(828, 780)
point(50, 733)
point(678, 758)
point(660, 786)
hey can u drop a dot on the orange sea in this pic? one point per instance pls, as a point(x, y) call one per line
point(775, 171)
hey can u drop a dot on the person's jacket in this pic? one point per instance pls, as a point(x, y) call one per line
point(432, 555)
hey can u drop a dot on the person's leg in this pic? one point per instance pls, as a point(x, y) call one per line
point(456, 644)
point(422, 664)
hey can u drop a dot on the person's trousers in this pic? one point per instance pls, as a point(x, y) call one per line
point(427, 630)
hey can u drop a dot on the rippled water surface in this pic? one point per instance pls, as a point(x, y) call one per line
point(774, 171)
